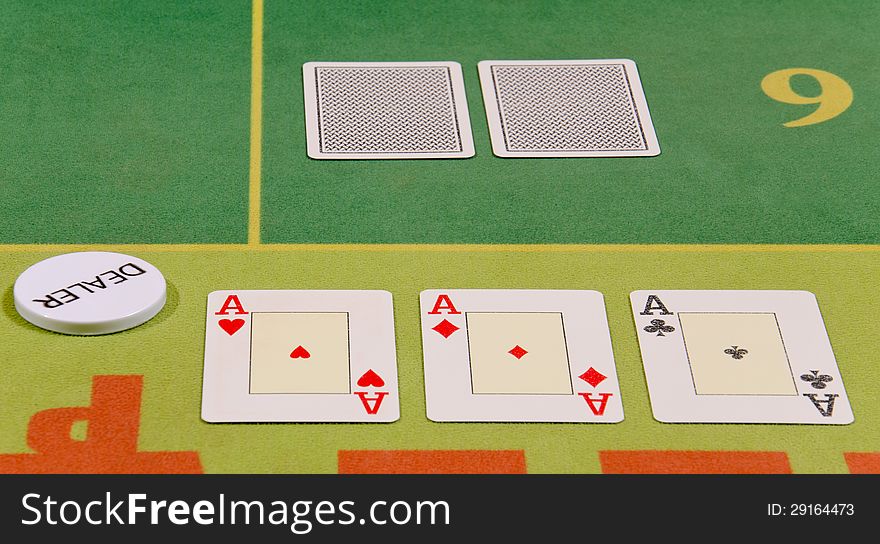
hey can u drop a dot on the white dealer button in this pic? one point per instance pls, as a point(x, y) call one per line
point(90, 292)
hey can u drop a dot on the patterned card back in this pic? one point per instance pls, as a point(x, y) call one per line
point(567, 109)
point(386, 110)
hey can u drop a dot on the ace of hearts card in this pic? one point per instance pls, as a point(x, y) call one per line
point(518, 356)
point(738, 357)
point(300, 356)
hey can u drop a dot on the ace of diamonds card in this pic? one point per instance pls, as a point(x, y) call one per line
point(518, 356)
point(300, 356)
point(738, 357)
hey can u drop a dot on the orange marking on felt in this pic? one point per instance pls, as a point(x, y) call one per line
point(694, 462)
point(431, 462)
point(863, 463)
point(110, 446)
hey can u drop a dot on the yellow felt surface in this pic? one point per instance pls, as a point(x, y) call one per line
point(45, 370)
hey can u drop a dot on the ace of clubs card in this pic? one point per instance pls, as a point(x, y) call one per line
point(300, 356)
point(738, 357)
point(518, 356)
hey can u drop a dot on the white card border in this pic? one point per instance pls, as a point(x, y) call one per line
point(225, 385)
point(458, 94)
point(496, 129)
point(673, 399)
point(448, 395)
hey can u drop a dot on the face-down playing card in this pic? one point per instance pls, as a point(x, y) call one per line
point(567, 108)
point(386, 110)
point(300, 356)
point(738, 357)
point(518, 356)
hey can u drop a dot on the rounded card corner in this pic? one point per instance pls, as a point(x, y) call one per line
point(663, 419)
point(433, 418)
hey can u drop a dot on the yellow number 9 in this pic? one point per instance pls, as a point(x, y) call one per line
point(835, 98)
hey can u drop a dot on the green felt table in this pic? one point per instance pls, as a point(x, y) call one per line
point(174, 131)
